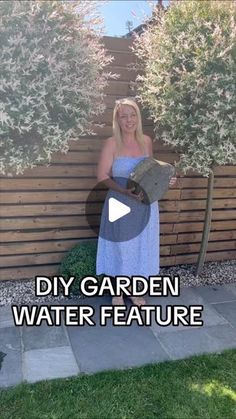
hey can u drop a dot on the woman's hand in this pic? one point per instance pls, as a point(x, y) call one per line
point(172, 181)
point(130, 192)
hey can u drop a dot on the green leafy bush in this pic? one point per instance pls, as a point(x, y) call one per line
point(52, 78)
point(80, 261)
point(187, 55)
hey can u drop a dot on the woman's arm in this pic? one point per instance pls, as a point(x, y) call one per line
point(149, 146)
point(105, 166)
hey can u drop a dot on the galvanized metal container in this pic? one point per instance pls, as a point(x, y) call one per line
point(152, 177)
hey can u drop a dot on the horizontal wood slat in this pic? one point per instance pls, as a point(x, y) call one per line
point(179, 249)
point(43, 210)
point(29, 272)
point(49, 258)
point(36, 247)
point(57, 252)
point(95, 208)
point(96, 143)
point(16, 197)
point(123, 59)
point(62, 196)
point(32, 223)
point(215, 226)
point(56, 234)
point(214, 236)
point(9, 252)
point(63, 209)
point(117, 44)
point(86, 183)
point(201, 204)
point(108, 115)
point(79, 209)
point(125, 74)
point(46, 184)
point(25, 223)
point(210, 257)
point(106, 131)
point(202, 193)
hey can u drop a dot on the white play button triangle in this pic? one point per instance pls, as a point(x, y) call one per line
point(112, 226)
point(116, 209)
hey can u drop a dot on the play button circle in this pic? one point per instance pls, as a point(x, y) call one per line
point(115, 216)
point(116, 210)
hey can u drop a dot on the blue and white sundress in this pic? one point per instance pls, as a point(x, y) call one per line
point(139, 256)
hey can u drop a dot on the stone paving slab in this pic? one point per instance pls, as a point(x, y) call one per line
point(209, 316)
point(231, 287)
point(48, 363)
point(186, 343)
point(114, 347)
point(6, 317)
point(11, 369)
point(99, 348)
point(40, 337)
point(228, 311)
point(215, 294)
point(39, 353)
point(188, 297)
point(224, 334)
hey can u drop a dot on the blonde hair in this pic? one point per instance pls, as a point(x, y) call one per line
point(116, 127)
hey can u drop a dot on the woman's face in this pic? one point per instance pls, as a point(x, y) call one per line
point(127, 118)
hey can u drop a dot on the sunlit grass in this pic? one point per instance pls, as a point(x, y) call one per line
point(201, 387)
point(216, 388)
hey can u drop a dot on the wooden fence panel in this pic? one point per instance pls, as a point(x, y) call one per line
point(42, 211)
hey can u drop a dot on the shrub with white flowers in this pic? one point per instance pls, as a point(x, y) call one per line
point(52, 78)
point(188, 58)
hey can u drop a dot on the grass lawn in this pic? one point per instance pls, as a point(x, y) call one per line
point(199, 387)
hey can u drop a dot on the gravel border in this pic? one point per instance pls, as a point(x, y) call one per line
point(22, 291)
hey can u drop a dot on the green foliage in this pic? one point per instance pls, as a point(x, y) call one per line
point(200, 387)
point(188, 83)
point(80, 261)
point(52, 78)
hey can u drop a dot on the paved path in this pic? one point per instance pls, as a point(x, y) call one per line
point(39, 353)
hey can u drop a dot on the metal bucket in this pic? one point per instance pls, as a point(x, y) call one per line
point(152, 177)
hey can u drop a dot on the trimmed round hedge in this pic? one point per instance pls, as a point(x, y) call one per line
point(80, 261)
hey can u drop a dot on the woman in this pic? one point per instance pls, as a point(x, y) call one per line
point(119, 156)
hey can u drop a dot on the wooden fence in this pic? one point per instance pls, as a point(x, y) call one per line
point(43, 210)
